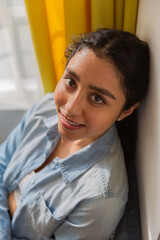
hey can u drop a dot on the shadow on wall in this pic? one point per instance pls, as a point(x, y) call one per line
point(8, 120)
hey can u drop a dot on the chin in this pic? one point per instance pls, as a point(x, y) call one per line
point(71, 136)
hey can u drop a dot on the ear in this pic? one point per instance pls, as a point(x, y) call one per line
point(128, 112)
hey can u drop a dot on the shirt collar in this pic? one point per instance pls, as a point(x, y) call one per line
point(76, 164)
point(79, 162)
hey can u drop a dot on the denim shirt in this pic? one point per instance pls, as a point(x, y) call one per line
point(82, 196)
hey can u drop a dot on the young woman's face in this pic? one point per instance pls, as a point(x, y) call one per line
point(89, 97)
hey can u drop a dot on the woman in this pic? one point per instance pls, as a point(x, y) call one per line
point(62, 168)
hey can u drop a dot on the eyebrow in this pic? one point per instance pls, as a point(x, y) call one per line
point(68, 69)
point(101, 90)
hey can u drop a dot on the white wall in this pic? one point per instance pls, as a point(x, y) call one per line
point(148, 28)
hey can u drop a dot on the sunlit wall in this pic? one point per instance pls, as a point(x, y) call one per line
point(149, 139)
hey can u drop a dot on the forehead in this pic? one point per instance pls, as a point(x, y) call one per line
point(86, 64)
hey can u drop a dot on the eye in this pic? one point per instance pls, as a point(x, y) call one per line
point(70, 82)
point(97, 99)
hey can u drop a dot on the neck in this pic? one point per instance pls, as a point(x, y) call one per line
point(69, 146)
point(73, 146)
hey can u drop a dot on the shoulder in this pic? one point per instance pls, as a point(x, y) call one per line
point(114, 171)
point(108, 177)
point(46, 104)
point(43, 109)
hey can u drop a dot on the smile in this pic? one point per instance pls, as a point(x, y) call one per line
point(72, 123)
point(69, 124)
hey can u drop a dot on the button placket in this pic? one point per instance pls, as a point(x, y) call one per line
point(55, 163)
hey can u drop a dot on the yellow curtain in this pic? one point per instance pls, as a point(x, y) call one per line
point(53, 22)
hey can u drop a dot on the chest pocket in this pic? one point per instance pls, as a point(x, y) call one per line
point(34, 220)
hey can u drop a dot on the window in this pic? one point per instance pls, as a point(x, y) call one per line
point(20, 84)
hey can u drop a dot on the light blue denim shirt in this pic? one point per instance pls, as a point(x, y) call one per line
point(79, 197)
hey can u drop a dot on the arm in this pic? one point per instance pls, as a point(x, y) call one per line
point(7, 149)
point(95, 220)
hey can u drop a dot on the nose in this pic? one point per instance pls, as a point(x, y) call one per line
point(75, 104)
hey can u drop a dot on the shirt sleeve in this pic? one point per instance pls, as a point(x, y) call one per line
point(7, 149)
point(95, 220)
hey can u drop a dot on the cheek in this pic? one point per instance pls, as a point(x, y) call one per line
point(95, 120)
point(101, 120)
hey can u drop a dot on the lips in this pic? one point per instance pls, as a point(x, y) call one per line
point(69, 124)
